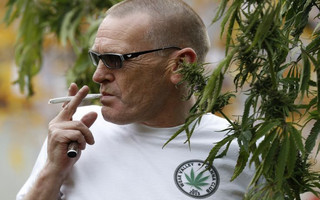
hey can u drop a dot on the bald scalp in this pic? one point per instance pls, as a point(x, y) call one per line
point(172, 23)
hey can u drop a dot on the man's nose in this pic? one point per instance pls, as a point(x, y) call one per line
point(103, 74)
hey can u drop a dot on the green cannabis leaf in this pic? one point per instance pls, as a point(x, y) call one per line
point(197, 181)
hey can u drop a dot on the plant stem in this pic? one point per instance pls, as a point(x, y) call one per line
point(225, 116)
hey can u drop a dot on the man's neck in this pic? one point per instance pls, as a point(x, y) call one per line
point(174, 115)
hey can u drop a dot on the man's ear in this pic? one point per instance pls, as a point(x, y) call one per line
point(186, 55)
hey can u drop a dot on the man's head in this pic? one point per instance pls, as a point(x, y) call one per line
point(144, 89)
point(172, 23)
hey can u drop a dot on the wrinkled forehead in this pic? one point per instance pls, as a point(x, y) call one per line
point(122, 32)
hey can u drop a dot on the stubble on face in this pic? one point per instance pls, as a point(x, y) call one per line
point(142, 86)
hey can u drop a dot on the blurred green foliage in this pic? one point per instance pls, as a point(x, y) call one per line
point(73, 22)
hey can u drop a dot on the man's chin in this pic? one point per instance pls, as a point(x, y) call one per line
point(115, 116)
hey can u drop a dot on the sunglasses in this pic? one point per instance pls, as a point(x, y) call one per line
point(115, 60)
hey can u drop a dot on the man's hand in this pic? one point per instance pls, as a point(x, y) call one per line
point(63, 131)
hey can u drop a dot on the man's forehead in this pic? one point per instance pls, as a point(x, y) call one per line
point(114, 31)
point(129, 24)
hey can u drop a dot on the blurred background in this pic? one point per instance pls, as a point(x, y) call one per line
point(23, 121)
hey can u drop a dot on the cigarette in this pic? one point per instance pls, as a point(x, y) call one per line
point(66, 99)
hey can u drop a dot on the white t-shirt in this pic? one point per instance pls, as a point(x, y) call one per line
point(128, 162)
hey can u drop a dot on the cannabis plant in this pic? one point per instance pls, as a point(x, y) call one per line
point(279, 73)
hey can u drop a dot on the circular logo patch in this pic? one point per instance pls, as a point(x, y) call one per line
point(196, 179)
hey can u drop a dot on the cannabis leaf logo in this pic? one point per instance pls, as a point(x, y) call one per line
point(197, 181)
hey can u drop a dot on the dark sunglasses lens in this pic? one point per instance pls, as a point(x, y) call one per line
point(94, 58)
point(111, 61)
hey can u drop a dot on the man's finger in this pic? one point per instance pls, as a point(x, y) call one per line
point(71, 107)
point(73, 89)
point(77, 126)
point(88, 120)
